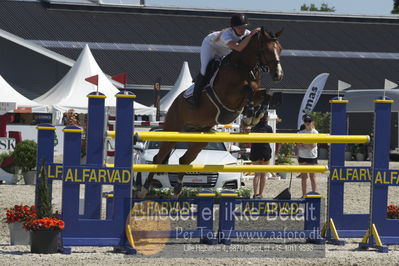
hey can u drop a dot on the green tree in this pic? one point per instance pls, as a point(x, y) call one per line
point(313, 7)
point(321, 121)
point(323, 8)
point(304, 7)
point(395, 9)
point(44, 208)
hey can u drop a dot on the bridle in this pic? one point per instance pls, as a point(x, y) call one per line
point(250, 111)
point(260, 66)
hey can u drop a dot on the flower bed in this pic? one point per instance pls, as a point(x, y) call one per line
point(165, 193)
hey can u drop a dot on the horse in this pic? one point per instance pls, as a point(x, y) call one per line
point(237, 83)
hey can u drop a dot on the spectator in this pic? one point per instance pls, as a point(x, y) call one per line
point(71, 118)
point(307, 154)
point(260, 154)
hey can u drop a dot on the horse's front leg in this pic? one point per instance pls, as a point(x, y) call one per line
point(194, 148)
point(161, 158)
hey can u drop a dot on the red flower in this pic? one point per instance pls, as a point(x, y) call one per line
point(393, 211)
point(20, 213)
point(47, 223)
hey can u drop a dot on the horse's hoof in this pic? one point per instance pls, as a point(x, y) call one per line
point(142, 193)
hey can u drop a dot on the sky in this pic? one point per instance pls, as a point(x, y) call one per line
point(352, 7)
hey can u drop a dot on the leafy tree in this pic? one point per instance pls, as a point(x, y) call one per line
point(395, 9)
point(321, 121)
point(44, 208)
point(313, 8)
point(304, 7)
point(323, 8)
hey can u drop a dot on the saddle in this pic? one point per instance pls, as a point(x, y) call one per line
point(224, 115)
point(211, 72)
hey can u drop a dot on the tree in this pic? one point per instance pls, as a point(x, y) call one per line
point(323, 8)
point(395, 9)
point(43, 208)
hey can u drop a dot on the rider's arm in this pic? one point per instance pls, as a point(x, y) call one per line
point(239, 46)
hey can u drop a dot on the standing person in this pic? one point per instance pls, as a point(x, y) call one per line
point(260, 154)
point(157, 99)
point(307, 154)
point(219, 44)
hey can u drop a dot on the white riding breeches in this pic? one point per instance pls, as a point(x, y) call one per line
point(207, 54)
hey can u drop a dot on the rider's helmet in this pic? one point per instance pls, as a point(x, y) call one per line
point(239, 20)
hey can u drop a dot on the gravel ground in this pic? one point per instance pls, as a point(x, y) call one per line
point(356, 201)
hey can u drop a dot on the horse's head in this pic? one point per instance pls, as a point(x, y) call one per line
point(269, 53)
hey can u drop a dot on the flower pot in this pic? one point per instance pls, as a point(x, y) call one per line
point(359, 157)
point(30, 178)
point(348, 156)
point(18, 235)
point(44, 242)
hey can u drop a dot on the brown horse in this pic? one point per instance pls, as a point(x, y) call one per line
point(236, 84)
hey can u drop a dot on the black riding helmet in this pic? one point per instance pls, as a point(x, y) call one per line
point(239, 20)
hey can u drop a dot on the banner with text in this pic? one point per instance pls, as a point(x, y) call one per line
point(312, 95)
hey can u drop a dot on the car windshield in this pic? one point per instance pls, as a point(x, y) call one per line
point(214, 146)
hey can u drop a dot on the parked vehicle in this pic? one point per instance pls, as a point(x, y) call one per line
point(213, 153)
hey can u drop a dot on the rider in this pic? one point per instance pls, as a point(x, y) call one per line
point(219, 44)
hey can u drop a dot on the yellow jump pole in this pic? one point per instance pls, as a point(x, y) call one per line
point(161, 168)
point(250, 137)
point(111, 133)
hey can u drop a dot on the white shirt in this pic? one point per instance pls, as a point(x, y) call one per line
point(308, 153)
point(220, 46)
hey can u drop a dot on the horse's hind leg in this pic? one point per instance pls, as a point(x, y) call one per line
point(194, 148)
point(161, 158)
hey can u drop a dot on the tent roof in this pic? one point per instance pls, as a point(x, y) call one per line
point(71, 91)
point(9, 94)
point(362, 100)
point(182, 83)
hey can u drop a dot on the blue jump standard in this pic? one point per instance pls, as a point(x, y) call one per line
point(90, 230)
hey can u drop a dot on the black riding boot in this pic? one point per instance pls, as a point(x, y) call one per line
point(199, 80)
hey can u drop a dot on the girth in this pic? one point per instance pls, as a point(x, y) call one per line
point(224, 114)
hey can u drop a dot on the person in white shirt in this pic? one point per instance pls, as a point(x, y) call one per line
point(307, 154)
point(219, 44)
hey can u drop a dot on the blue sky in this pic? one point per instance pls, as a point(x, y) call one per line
point(353, 7)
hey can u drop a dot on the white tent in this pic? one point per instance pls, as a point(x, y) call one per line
point(72, 89)
point(183, 82)
point(9, 94)
point(363, 100)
